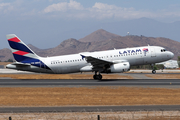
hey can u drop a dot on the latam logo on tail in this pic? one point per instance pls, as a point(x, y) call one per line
point(23, 54)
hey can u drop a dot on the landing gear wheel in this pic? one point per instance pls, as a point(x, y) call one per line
point(97, 77)
point(153, 71)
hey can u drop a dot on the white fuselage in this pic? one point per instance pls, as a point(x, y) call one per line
point(74, 62)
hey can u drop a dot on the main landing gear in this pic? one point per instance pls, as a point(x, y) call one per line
point(97, 77)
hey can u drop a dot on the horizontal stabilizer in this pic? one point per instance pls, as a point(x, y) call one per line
point(21, 64)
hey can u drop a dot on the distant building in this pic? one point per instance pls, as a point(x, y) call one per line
point(170, 64)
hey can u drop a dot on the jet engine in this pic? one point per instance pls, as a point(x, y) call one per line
point(120, 67)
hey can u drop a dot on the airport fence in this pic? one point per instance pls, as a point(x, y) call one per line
point(108, 115)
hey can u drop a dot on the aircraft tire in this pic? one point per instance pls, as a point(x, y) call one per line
point(99, 77)
point(153, 71)
point(95, 77)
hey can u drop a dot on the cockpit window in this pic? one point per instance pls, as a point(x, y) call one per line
point(163, 50)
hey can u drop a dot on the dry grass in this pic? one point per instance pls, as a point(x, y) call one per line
point(5, 63)
point(88, 96)
point(62, 76)
point(164, 76)
point(85, 76)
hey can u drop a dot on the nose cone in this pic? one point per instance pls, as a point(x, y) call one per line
point(171, 54)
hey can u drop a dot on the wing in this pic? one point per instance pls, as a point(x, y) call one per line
point(98, 64)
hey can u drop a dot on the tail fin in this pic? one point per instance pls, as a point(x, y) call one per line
point(21, 52)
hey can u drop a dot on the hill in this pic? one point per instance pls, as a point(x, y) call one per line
point(99, 35)
point(103, 41)
point(5, 54)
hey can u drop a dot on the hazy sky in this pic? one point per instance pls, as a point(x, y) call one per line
point(162, 10)
point(25, 13)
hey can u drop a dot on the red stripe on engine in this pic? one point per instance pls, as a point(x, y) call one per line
point(15, 39)
point(20, 52)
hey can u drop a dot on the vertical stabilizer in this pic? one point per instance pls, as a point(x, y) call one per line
point(21, 52)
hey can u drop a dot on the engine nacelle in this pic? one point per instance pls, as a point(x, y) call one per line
point(86, 69)
point(120, 67)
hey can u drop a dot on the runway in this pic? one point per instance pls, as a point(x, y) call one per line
point(85, 82)
point(89, 109)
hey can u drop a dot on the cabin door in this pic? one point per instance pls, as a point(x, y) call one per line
point(153, 53)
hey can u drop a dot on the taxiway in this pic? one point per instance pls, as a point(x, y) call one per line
point(84, 82)
point(90, 108)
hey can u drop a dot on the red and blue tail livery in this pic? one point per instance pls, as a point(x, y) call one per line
point(22, 53)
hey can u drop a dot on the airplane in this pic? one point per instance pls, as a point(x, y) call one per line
point(110, 61)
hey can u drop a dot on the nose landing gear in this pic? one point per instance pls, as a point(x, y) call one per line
point(153, 71)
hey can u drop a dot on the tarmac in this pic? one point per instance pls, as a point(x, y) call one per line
point(153, 83)
point(89, 108)
point(11, 71)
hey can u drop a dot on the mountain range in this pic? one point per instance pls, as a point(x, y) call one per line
point(97, 41)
